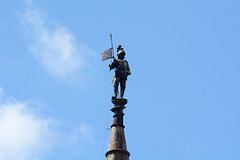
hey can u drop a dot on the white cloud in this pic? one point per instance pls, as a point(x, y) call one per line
point(55, 48)
point(24, 134)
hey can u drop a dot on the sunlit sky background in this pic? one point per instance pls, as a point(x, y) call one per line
point(183, 94)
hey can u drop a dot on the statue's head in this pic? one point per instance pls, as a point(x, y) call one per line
point(120, 52)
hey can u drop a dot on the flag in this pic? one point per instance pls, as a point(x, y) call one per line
point(107, 54)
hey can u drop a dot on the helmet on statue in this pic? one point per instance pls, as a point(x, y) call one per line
point(120, 50)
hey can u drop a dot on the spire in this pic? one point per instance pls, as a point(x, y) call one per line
point(117, 149)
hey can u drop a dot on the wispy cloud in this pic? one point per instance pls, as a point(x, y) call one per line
point(83, 132)
point(26, 134)
point(53, 45)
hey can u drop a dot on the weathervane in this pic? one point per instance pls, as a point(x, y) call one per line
point(122, 70)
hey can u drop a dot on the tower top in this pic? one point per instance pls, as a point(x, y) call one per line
point(117, 149)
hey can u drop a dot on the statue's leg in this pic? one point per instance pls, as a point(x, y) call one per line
point(123, 86)
point(115, 86)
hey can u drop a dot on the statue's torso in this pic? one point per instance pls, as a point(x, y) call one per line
point(123, 64)
point(122, 69)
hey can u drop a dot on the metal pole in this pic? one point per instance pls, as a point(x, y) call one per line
point(112, 44)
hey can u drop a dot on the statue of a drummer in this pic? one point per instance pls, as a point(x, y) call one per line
point(122, 71)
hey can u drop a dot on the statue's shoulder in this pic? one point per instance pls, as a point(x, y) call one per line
point(125, 61)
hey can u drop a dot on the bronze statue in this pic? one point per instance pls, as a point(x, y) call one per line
point(122, 71)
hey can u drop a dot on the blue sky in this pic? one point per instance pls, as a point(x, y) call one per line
point(183, 94)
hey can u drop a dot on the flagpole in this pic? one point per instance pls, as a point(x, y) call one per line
point(112, 44)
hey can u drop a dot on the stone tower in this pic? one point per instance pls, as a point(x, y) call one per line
point(117, 149)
